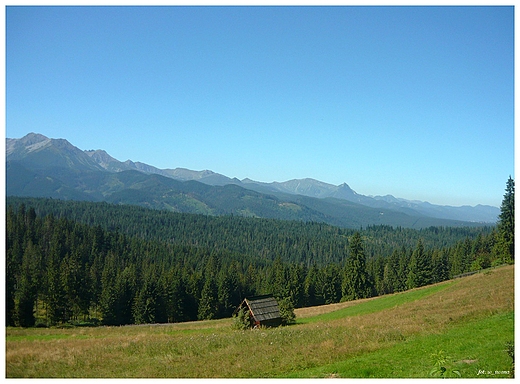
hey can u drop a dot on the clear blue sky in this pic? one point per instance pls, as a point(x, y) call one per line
point(417, 102)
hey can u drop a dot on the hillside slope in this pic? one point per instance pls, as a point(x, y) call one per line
point(470, 319)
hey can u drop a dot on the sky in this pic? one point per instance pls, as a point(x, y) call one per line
point(416, 102)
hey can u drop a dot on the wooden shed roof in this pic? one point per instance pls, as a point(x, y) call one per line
point(263, 308)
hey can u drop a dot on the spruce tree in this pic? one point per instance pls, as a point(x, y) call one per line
point(56, 299)
point(149, 304)
point(125, 291)
point(208, 304)
point(356, 283)
point(26, 288)
point(439, 266)
point(420, 267)
point(329, 284)
point(403, 270)
point(505, 246)
point(226, 306)
point(390, 273)
point(108, 295)
point(310, 284)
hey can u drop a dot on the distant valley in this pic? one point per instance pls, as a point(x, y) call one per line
point(39, 166)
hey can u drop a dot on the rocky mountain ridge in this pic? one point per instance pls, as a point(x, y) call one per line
point(37, 152)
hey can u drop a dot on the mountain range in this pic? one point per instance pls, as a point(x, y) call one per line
point(39, 166)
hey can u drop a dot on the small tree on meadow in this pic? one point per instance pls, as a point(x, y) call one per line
point(286, 311)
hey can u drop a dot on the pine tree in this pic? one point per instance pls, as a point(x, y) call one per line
point(108, 295)
point(310, 286)
point(279, 279)
point(225, 304)
point(286, 307)
point(56, 298)
point(356, 283)
point(403, 270)
point(505, 246)
point(296, 284)
point(125, 290)
point(420, 273)
point(439, 266)
point(149, 304)
point(73, 284)
point(27, 287)
point(390, 273)
point(329, 284)
point(208, 304)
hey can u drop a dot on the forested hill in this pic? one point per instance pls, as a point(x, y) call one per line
point(293, 241)
point(69, 261)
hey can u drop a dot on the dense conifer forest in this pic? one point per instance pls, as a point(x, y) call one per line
point(98, 263)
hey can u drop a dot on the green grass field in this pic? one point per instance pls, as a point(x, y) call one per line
point(468, 320)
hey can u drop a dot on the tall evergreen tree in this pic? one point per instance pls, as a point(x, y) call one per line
point(403, 270)
point(505, 246)
point(279, 279)
point(208, 304)
point(11, 265)
point(108, 295)
point(356, 282)
point(420, 267)
point(27, 289)
point(295, 284)
point(149, 303)
point(439, 266)
point(225, 304)
point(329, 284)
point(73, 282)
point(125, 291)
point(56, 297)
point(390, 273)
point(310, 287)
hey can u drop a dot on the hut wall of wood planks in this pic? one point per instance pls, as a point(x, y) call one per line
point(263, 310)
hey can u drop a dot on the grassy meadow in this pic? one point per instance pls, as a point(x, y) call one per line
point(467, 322)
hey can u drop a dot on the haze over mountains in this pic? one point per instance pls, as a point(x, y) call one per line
point(44, 167)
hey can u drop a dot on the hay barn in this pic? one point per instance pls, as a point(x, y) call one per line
point(263, 310)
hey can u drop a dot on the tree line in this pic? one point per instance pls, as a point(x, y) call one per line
point(60, 268)
point(293, 241)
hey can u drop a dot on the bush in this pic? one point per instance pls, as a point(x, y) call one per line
point(241, 320)
point(287, 311)
point(442, 366)
point(41, 324)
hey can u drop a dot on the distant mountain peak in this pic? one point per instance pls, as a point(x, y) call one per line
point(105, 160)
point(32, 138)
point(41, 152)
point(38, 152)
point(346, 187)
point(28, 143)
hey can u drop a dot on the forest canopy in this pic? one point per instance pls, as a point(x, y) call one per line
point(71, 261)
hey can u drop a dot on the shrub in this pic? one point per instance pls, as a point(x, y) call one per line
point(442, 366)
point(241, 320)
point(286, 311)
point(40, 324)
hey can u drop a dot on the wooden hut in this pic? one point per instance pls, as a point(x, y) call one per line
point(263, 310)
